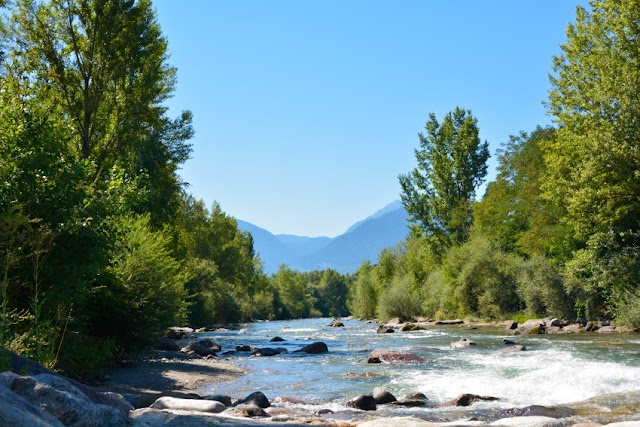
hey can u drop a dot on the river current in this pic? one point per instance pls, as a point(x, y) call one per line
point(555, 369)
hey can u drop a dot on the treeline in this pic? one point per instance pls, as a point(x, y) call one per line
point(557, 232)
point(101, 248)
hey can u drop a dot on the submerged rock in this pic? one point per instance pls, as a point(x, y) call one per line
point(366, 402)
point(384, 329)
point(410, 403)
point(467, 399)
point(517, 348)
point(314, 348)
point(463, 343)
point(393, 357)
point(276, 339)
point(538, 410)
point(265, 352)
point(244, 348)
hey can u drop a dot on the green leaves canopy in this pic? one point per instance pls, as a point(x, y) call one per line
point(452, 162)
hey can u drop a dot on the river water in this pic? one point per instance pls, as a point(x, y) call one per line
point(555, 369)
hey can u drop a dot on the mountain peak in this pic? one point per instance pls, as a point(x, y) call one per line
point(393, 206)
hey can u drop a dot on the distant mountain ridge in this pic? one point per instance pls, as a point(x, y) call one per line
point(363, 241)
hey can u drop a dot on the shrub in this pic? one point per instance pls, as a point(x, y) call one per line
point(398, 300)
point(541, 287)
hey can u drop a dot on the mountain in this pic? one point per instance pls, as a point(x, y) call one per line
point(362, 241)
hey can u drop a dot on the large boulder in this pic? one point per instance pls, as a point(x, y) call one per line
point(463, 343)
point(314, 348)
point(204, 347)
point(381, 395)
point(257, 398)
point(166, 344)
point(409, 327)
point(531, 327)
point(467, 399)
point(198, 405)
point(61, 399)
point(393, 357)
point(17, 411)
point(179, 333)
point(384, 329)
point(366, 402)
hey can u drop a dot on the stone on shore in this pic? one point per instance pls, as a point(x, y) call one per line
point(179, 332)
point(314, 348)
point(381, 395)
point(467, 399)
point(531, 327)
point(166, 344)
point(449, 322)
point(61, 399)
point(222, 398)
point(248, 410)
point(393, 357)
point(17, 411)
point(463, 343)
point(534, 421)
point(203, 347)
point(257, 398)
point(199, 405)
point(366, 402)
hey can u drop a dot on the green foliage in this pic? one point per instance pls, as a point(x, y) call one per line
point(452, 163)
point(364, 296)
point(541, 287)
point(482, 279)
point(398, 300)
point(150, 279)
point(513, 211)
point(295, 297)
point(593, 163)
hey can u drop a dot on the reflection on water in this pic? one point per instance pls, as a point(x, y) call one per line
point(555, 370)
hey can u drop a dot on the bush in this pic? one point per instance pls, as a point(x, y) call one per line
point(363, 299)
point(398, 300)
point(541, 287)
point(150, 280)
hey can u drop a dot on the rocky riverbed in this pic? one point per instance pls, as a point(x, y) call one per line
point(259, 374)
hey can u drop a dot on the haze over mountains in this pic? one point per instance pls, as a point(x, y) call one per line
point(345, 253)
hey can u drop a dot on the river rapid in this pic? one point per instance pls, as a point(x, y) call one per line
point(579, 371)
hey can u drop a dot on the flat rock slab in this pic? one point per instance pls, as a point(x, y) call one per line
point(528, 422)
point(148, 417)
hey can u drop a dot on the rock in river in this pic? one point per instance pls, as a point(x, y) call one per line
point(467, 400)
point(314, 348)
point(365, 402)
point(381, 395)
point(390, 356)
point(463, 343)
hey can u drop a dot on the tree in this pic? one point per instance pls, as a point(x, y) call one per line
point(437, 194)
point(513, 211)
point(594, 163)
point(101, 66)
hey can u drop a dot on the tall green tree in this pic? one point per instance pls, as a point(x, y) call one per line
point(438, 193)
point(101, 66)
point(594, 163)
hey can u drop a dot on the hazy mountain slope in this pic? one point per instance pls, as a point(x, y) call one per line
point(346, 252)
point(362, 241)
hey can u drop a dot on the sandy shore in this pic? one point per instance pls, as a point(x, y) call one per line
point(157, 374)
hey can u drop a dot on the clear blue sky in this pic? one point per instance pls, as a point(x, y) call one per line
point(306, 111)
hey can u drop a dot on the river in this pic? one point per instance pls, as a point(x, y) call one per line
point(555, 369)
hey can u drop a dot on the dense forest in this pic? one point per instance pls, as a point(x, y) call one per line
point(102, 247)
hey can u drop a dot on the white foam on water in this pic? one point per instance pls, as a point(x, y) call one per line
point(548, 377)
